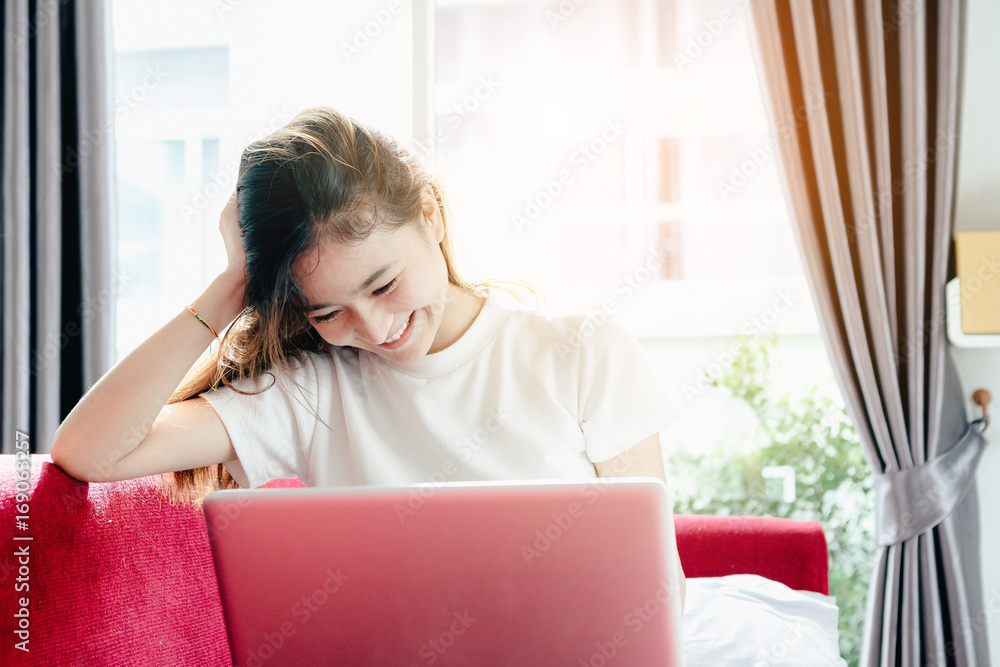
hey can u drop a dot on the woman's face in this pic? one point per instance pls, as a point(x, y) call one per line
point(388, 294)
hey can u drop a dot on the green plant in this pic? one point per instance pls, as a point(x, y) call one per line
point(813, 435)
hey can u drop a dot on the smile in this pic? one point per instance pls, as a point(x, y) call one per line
point(396, 336)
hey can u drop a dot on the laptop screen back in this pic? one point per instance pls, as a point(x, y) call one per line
point(532, 573)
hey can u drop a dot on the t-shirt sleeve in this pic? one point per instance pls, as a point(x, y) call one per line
point(621, 401)
point(271, 425)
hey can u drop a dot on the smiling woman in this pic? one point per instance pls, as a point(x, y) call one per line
point(347, 240)
point(392, 312)
point(357, 353)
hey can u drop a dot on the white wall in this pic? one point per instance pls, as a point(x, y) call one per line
point(979, 209)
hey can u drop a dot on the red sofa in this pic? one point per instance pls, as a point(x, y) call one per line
point(115, 576)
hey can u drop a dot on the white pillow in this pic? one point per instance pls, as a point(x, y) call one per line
point(745, 620)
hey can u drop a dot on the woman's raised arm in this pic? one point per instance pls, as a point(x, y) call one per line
point(123, 427)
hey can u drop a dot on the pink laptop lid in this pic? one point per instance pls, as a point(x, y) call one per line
point(527, 573)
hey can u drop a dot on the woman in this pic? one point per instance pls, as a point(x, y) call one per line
point(358, 354)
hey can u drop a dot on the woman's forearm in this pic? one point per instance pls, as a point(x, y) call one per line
point(117, 412)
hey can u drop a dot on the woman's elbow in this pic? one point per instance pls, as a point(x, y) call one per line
point(67, 457)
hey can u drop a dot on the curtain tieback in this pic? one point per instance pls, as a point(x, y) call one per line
point(912, 501)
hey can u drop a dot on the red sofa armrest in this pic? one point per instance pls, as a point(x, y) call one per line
point(784, 550)
point(112, 574)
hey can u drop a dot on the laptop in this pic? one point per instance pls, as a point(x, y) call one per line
point(538, 573)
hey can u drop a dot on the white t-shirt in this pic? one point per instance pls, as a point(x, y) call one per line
point(518, 396)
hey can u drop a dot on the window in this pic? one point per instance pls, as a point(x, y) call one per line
point(622, 140)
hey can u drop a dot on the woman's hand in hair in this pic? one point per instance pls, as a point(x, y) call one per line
point(232, 236)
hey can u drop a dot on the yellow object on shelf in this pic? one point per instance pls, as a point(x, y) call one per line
point(977, 263)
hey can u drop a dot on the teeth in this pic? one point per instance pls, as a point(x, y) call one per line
point(399, 333)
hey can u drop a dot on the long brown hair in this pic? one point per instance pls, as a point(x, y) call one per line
point(323, 175)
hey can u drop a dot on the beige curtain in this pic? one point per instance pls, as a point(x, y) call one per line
point(56, 188)
point(863, 97)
